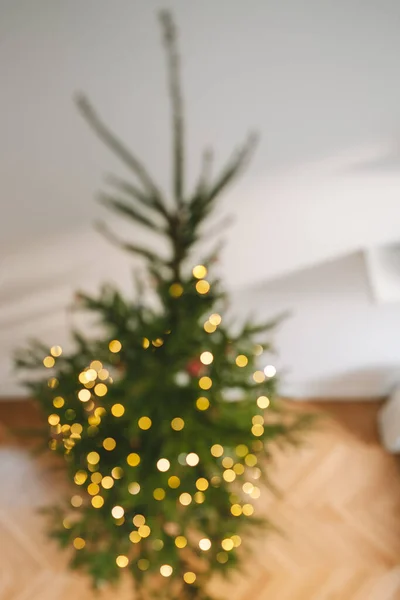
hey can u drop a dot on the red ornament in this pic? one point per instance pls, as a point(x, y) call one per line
point(194, 367)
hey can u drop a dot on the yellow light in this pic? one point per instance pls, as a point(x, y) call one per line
point(53, 382)
point(107, 482)
point(209, 327)
point(100, 389)
point(163, 465)
point(185, 499)
point(236, 510)
point(97, 501)
point(133, 459)
point(79, 543)
point(199, 271)
point(215, 319)
point(117, 410)
point(103, 374)
point(205, 383)
point(227, 462)
point(93, 420)
point(247, 487)
point(144, 531)
point(53, 419)
point(84, 395)
point(117, 472)
point(205, 544)
point(180, 541)
point(217, 450)
point(199, 497)
point(256, 474)
point(258, 350)
point(143, 564)
point(241, 360)
point(144, 423)
point(237, 540)
point(256, 493)
point(133, 488)
point(93, 489)
point(250, 460)
point(93, 458)
point(241, 450)
point(176, 290)
point(157, 343)
point(192, 459)
point(270, 371)
point(229, 475)
point(134, 537)
point(117, 512)
point(139, 520)
point(56, 351)
point(174, 482)
point(263, 402)
point(215, 480)
point(49, 362)
point(76, 501)
point(109, 444)
point(189, 577)
point(202, 286)
point(177, 424)
point(122, 561)
point(258, 376)
point(115, 346)
point(248, 509)
point(91, 374)
point(82, 377)
point(257, 420)
point(206, 358)
point(159, 494)
point(257, 430)
point(96, 477)
point(202, 484)
point(166, 570)
point(96, 365)
point(227, 544)
point(222, 557)
point(76, 428)
point(100, 411)
point(58, 402)
point(202, 403)
point(67, 524)
point(80, 477)
point(157, 545)
point(145, 343)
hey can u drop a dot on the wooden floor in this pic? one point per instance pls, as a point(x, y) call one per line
point(340, 514)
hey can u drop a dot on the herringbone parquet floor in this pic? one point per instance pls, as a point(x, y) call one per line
point(339, 514)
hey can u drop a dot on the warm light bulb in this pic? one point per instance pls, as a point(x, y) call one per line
point(205, 383)
point(159, 494)
point(205, 544)
point(97, 501)
point(133, 488)
point(270, 371)
point(84, 395)
point(177, 424)
point(117, 512)
point(93, 458)
point(133, 459)
point(56, 351)
point(107, 482)
point(227, 544)
point(144, 423)
point(79, 543)
point(199, 271)
point(115, 346)
point(180, 541)
point(122, 561)
point(185, 499)
point(174, 482)
point(241, 360)
point(206, 358)
point(109, 444)
point(189, 577)
point(217, 450)
point(192, 459)
point(263, 402)
point(117, 410)
point(166, 570)
point(202, 286)
point(49, 362)
point(163, 465)
point(202, 403)
point(100, 389)
point(236, 510)
point(202, 484)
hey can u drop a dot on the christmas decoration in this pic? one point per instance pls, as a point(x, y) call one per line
point(165, 420)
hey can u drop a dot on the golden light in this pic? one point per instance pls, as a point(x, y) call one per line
point(159, 494)
point(247, 487)
point(53, 419)
point(97, 501)
point(166, 570)
point(227, 544)
point(241, 450)
point(134, 488)
point(56, 351)
point(144, 531)
point(135, 537)
point(263, 402)
point(107, 482)
point(206, 358)
point(133, 459)
point(257, 420)
point(117, 472)
point(144, 423)
point(237, 540)
point(117, 512)
point(189, 577)
point(205, 544)
point(80, 477)
point(257, 430)
point(259, 376)
point(76, 501)
point(76, 428)
point(192, 459)
point(93, 489)
point(117, 410)
point(241, 360)
point(122, 561)
point(229, 475)
point(270, 371)
point(222, 557)
point(93, 458)
point(100, 389)
point(91, 374)
point(217, 450)
point(205, 383)
point(143, 564)
point(163, 465)
point(96, 477)
point(185, 499)
point(227, 462)
point(248, 510)
point(84, 395)
point(236, 510)
point(157, 545)
point(67, 524)
point(58, 402)
point(174, 482)
point(199, 271)
point(79, 543)
point(158, 342)
point(199, 497)
point(202, 286)
point(215, 319)
point(109, 444)
point(145, 343)
point(202, 484)
point(256, 493)
point(177, 424)
point(209, 327)
point(215, 480)
point(82, 377)
point(256, 473)
point(49, 362)
point(176, 290)
point(139, 520)
point(103, 374)
point(115, 346)
point(250, 460)
point(202, 403)
point(180, 541)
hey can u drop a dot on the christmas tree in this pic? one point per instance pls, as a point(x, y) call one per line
point(164, 420)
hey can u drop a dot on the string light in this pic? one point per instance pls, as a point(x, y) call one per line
point(248, 510)
point(58, 402)
point(192, 459)
point(202, 403)
point(189, 577)
point(84, 395)
point(135, 537)
point(257, 420)
point(144, 423)
point(103, 374)
point(256, 473)
point(157, 343)
point(202, 286)
point(133, 459)
point(180, 541)
point(115, 346)
point(199, 497)
point(227, 462)
point(67, 524)
point(145, 343)
point(222, 557)
point(53, 419)
point(258, 350)
point(93, 489)
point(237, 540)
point(238, 468)
point(263, 402)
point(133, 488)
point(205, 383)
point(215, 319)
point(174, 482)
point(56, 351)
point(163, 465)
point(166, 570)
point(209, 327)
point(93, 458)
point(96, 477)
point(256, 493)
point(117, 472)
point(117, 410)
point(250, 460)
point(157, 545)
point(206, 358)
point(185, 499)
point(241, 450)
point(144, 531)
point(217, 450)
point(202, 484)
point(159, 494)
point(49, 362)
point(205, 544)
point(241, 360)
point(79, 543)
point(199, 271)
point(100, 389)
point(53, 383)
point(257, 430)
point(177, 424)
point(270, 371)
point(227, 544)
point(176, 290)
point(236, 510)
point(247, 487)
point(122, 561)
point(259, 376)
point(97, 501)
point(107, 482)
point(80, 477)
point(229, 475)
point(109, 444)
point(143, 564)
point(117, 512)
point(76, 428)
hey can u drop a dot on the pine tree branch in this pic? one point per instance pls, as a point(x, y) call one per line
point(120, 207)
point(173, 64)
point(149, 201)
point(135, 249)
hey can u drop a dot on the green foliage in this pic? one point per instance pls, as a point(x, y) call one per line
point(150, 362)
